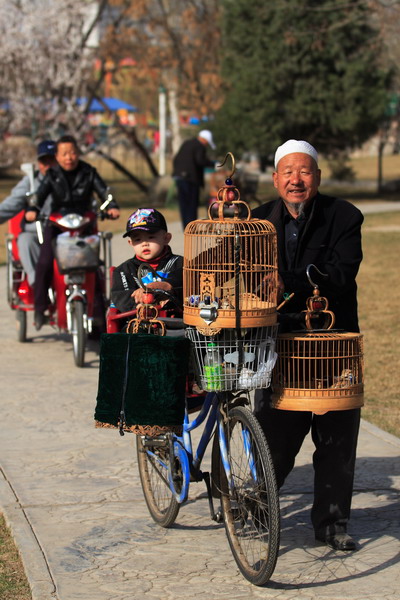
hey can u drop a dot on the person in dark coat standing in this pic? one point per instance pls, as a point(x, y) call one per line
point(188, 171)
point(314, 229)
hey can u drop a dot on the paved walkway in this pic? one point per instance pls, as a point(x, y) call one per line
point(72, 497)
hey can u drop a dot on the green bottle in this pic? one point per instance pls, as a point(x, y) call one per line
point(213, 369)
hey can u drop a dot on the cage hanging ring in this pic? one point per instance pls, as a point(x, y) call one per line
point(233, 163)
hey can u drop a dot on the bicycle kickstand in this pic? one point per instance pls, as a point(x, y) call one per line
point(215, 516)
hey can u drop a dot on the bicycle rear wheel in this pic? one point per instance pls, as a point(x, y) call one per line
point(250, 502)
point(153, 461)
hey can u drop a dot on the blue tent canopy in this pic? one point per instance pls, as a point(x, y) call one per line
point(113, 105)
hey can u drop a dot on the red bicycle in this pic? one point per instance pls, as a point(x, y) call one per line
point(77, 296)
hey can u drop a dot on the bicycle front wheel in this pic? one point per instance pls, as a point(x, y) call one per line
point(78, 333)
point(153, 464)
point(249, 499)
point(21, 323)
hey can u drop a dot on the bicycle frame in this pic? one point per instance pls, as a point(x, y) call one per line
point(189, 461)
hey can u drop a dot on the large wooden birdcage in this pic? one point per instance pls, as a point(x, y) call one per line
point(230, 271)
point(230, 280)
point(318, 370)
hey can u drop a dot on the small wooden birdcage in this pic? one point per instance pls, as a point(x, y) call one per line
point(230, 271)
point(318, 370)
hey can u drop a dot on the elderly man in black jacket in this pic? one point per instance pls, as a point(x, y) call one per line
point(188, 171)
point(315, 229)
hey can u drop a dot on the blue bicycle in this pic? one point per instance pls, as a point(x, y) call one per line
point(242, 477)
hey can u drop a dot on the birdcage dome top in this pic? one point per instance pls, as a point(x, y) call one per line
point(229, 227)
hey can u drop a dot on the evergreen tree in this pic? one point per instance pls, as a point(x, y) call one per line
point(305, 70)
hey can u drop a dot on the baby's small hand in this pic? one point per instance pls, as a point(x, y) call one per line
point(142, 296)
point(137, 295)
point(160, 285)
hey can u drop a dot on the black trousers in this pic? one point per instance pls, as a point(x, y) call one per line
point(335, 437)
point(44, 268)
point(188, 198)
point(44, 277)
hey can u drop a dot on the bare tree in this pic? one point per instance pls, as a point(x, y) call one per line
point(47, 51)
point(175, 44)
point(386, 16)
point(47, 58)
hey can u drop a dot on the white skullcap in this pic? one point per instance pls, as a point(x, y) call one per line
point(207, 135)
point(292, 146)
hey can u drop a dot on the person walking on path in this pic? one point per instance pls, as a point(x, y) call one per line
point(28, 242)
point(314, 229)
point(188, 171)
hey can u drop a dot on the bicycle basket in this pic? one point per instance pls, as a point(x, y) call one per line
point(74, 252)
point(245, 361)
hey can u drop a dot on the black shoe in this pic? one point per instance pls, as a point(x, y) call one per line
point(39, 319)
point(339, 541)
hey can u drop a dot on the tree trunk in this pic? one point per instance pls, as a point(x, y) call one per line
point(131, 135)
point(383, 137)
point(380, 170)
point(174, 116)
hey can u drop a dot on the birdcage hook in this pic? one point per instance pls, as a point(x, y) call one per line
point(228, 203)
point(233, 163)
point(317, 306)
point(315, 285)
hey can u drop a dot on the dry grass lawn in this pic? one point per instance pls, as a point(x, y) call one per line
point(379, 293)
point(13, 583)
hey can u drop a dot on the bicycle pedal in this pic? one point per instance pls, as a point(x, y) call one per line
point(218, 517)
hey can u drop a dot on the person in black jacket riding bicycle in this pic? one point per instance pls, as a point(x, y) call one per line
point(71, 184)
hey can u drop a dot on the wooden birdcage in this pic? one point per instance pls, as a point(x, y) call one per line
point(318, 370)
point(230, 271)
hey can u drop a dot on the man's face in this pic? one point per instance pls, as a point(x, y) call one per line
point(297, 179)
point(45, 162)
point(67, 156)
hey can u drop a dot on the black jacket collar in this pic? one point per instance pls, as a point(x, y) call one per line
point(276, 217)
